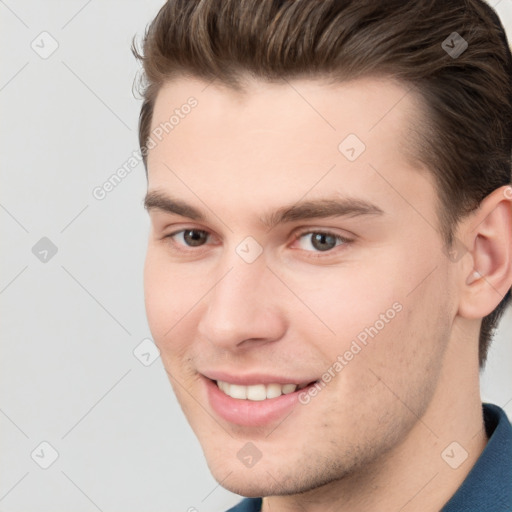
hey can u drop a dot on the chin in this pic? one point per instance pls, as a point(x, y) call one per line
point(254, 482)
point(245, 483)
point(264, 479)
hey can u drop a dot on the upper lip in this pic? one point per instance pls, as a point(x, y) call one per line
point(254, 378)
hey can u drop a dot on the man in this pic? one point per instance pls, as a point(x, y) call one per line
point(331, 245)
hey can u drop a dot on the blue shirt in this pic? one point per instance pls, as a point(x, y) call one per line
point(488, 486)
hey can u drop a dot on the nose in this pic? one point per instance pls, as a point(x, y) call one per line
point(243, 309)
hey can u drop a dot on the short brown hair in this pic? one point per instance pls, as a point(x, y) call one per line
point(465, 138)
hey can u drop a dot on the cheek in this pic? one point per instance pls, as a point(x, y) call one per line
point(169, 296)
point(406, 356)
point(389, 320)
point(344, 302)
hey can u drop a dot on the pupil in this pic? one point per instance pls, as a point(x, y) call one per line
point(194, 237)
point(323, 242)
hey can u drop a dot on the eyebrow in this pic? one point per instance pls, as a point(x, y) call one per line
point(321, 209)
point(302, 210)
point(159, 201)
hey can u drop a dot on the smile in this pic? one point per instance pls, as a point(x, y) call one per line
point(257, 392)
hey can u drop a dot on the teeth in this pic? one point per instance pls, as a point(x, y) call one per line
point(274, 390)
point(257, 392)
point(289, 388)
point(236, 391)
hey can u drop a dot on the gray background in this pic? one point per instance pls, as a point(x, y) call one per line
point(71, 321)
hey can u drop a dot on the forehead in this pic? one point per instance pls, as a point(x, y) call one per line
point(299, 137)
point(368, 107)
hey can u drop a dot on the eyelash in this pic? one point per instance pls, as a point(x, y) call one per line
point(344, 241)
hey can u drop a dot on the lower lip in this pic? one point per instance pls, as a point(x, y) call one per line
point(251, 413)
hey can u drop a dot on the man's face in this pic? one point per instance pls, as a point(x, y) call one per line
point(283, 251)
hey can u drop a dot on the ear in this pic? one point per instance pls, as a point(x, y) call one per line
point(487, 235)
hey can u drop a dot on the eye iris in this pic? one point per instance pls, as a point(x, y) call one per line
point(194, 237)
point(323, 241)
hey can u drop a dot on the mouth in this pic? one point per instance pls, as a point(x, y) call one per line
point(259, 392)
point(253, 403)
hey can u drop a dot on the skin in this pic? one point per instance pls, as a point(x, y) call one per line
point(372, 438)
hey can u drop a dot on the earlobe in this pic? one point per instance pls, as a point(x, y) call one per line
point(488, 234)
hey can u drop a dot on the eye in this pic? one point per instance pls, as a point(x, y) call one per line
point(190, 237)
point(320, 241)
